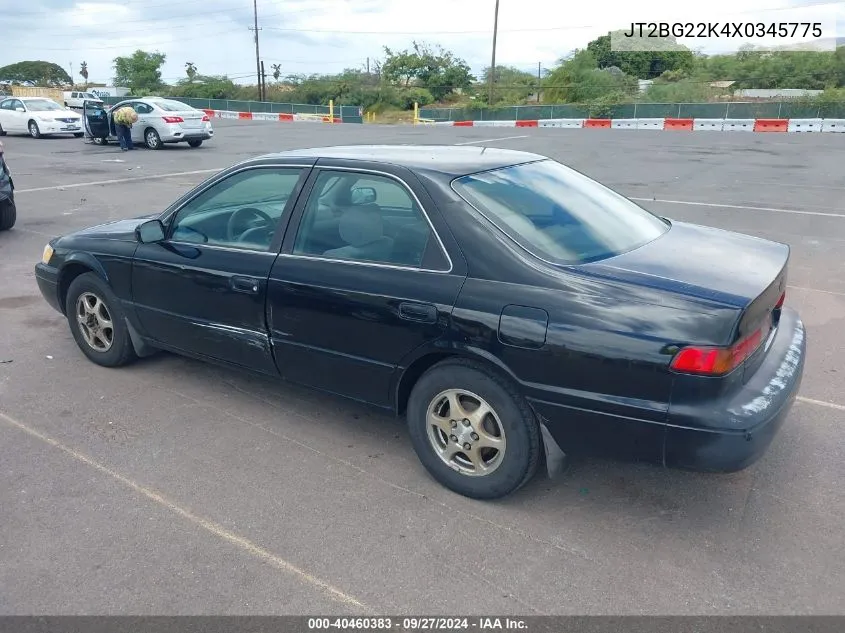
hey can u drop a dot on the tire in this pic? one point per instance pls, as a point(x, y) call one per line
point(100, 141)
point(8, 214)
point(195, 143)
point(2, 131)
point(90, 289)
point(151, 139)
point(34, 130)
point(78, 135)
point(511, 467)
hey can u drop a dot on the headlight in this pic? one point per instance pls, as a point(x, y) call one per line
point(47, 255)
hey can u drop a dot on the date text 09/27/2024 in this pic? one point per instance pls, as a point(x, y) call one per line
point(724, 29)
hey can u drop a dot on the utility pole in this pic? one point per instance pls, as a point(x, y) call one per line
point(539, 80)
point(257, 62)
point(493, 61)
point(263, 82)
point(368, 66)
point(72, 80)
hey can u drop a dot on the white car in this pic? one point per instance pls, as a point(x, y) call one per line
point(160, 121)
point(38, 116)
point(75, 98)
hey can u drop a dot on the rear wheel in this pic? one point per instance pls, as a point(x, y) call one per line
point(195, 143)
point(2, 131)
point(34, 131)
point(151, 139)
point(8, 214)
point(97, 322)
point(472, 430)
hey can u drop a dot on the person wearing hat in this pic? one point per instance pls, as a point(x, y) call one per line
point(123, 119)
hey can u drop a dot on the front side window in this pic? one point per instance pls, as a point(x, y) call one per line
point(364, 218)
point(558, 214)
point(242, 211)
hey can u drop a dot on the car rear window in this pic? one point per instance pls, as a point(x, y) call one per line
point(172, 106)
point(559, 214)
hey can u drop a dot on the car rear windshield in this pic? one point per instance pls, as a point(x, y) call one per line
point(558, 214)
point(42, 105)
point(172, 106)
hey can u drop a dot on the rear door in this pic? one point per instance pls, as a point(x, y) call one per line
point(146, 115)
point(363, 281)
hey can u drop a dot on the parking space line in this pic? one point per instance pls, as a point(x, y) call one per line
point(822, 403)
point(827, 292)
point(740, 206)
point(490, 140)
point(118, 180)
point(209, 526)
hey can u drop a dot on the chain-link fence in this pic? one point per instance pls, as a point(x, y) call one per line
point(728, 110)
point(348, 114)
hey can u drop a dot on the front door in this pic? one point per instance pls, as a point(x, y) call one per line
point(96, 119)
point(363, 282)
point(145, 113)
point(202, 290)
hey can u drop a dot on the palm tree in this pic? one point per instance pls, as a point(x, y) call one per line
point(191, 70)
point(277, 71)
point(83, 70)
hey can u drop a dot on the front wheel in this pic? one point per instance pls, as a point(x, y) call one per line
point(195, 143)
point(78, 135)
point(472, 430)
point(97, 322)
point(152, 140)
point(34, 131)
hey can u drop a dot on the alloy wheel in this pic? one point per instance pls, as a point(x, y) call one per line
point(465, 432)
point(95, 322)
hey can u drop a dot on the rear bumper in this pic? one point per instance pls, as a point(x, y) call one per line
point(179, 136)
point(47, 278)
point(733, 434)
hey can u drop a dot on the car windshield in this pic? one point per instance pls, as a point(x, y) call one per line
point(558, 214)
point(42, 105)
point(172, 106)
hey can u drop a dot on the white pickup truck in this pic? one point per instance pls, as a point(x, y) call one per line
point(74, 99)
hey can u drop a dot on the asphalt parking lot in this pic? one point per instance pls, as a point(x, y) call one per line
point(174, 487)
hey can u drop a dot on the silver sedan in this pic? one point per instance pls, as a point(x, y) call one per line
point(160, 121)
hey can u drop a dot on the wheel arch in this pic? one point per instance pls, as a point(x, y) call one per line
point(553, 459)
point(74, 266)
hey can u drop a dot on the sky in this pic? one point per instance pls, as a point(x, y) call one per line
point(327, 36)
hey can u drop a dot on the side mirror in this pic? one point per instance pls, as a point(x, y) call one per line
point(150, 232)
point(363, 195)
point(20, 109)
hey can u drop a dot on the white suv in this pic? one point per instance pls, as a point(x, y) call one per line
point(74, 99)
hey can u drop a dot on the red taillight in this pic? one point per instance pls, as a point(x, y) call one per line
point(173, 119)
point(716, 361)
point(205, 118)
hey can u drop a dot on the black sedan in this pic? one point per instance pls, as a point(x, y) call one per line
point(511, 308)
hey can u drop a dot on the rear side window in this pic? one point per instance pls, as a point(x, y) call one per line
point(558, 214)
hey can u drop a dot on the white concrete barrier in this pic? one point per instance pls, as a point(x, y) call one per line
point(738, 125)
point(565, 123)
point(805, 125)
point(624, 124)
point(494, 123)
point(650, 124)
point(714, 125)
point(833, 125)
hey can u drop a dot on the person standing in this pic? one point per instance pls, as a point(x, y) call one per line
point(123, 120)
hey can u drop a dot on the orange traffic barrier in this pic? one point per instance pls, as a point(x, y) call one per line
point(771, 125)
point(210, 113)
point(285, 116)
point(244, 115)
point(527, 123)
point(462, 123)
point(678, 124)
point(596, 122)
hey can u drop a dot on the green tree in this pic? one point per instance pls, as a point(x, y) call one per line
point(190, 70)
point(39, 73)
point(205, 87)
point(644, 64)
point(510, 85)
point(580, 80)
point(140, 72)
point(430, 67)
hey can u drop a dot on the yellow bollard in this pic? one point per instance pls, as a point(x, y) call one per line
point(331, 110)
point(416, 112)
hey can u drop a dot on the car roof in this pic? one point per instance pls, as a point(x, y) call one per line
point(448, 160)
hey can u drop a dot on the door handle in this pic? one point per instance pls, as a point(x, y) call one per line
point(245, 284)
point(424, 312)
